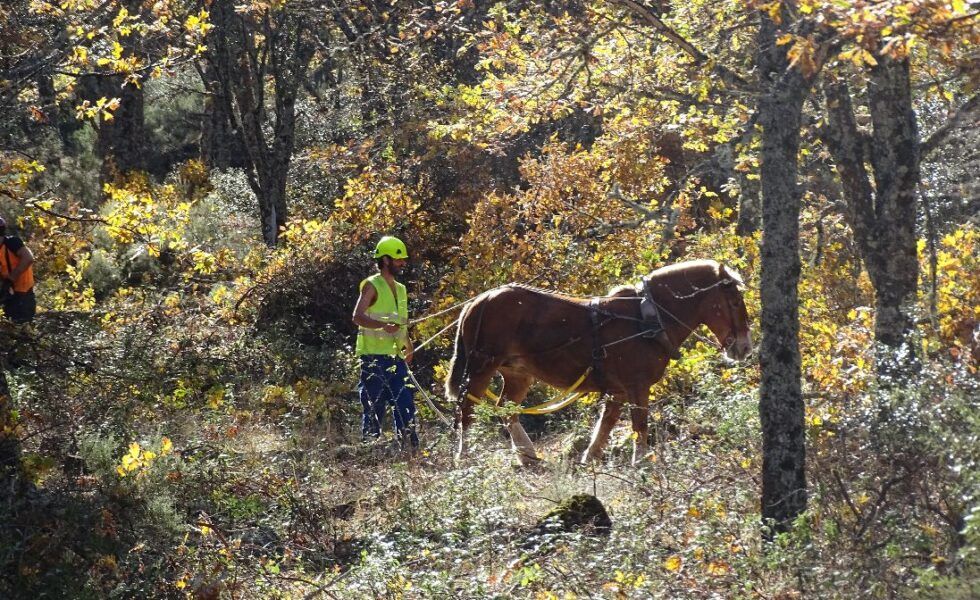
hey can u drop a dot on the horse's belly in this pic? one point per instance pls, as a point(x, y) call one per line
point(553, 373)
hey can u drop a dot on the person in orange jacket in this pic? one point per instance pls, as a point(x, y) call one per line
point(16, 278)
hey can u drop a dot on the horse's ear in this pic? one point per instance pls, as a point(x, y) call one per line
point(731, 277)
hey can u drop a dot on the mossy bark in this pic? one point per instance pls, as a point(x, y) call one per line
point(883, 215)
point(780, 395)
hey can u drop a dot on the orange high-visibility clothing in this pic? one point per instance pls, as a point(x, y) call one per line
point(8, 263)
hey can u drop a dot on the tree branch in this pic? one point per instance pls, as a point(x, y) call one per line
point(936, 138)
point(843, 139)
point(647, 16)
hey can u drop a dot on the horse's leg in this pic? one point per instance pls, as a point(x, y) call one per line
point(639, 413)
point(477, 387)
point(464, 417)
point(600, 435)
point(515, 390)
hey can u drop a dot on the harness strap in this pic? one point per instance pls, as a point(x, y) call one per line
point(598, 350)
point(651, 322)
point(545, 407)
point(550, 407)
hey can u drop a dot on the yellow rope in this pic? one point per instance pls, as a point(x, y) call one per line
point(545, 407)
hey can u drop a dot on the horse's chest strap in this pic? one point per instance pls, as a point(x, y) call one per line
point(598, 350)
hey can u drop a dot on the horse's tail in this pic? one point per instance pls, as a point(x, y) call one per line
point(457, 366)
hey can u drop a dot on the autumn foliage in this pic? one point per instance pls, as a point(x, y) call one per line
point(184, 409)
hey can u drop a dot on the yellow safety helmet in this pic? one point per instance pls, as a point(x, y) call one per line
point(391, 246)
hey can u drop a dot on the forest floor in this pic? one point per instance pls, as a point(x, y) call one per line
point(367, 520)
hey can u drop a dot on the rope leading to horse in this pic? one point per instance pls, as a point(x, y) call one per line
point(429, 401)
point(443, 311)
point(434, 336)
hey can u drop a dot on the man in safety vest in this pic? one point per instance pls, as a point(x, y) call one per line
point(16, 278)
point(383, 346)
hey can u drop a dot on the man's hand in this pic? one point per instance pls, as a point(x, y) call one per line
point(409, 353)
point(390, 328)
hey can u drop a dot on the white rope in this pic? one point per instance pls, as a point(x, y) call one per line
point(428, 400)
point(445, 310)
point(434, 336)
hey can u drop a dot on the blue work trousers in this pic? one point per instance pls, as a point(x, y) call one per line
point(385, 382)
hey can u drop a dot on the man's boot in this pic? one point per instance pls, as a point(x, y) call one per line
point(665, 343)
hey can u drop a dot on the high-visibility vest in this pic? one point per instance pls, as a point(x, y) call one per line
point(387, 308)
point(8, 263)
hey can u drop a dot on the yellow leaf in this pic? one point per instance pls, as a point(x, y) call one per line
point(673, 563)
point(166, 446)
point(774, 11)
point(784, 39)
point(122, 16)
point(717, 568)
point(868, 58)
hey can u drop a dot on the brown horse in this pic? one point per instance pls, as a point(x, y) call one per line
point(526, 334)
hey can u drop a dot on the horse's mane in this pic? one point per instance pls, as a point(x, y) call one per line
point(691, 270)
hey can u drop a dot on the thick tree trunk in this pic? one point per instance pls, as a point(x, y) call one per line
point(896, 166)
point(882, 216)
point(222, 145)
point(62, 120)
point(780, 396)
point(120, 141)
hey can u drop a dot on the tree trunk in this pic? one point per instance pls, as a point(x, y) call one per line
point(749, 209)
point(222, 146)
point(241, 69)
point(896, 165)
point(784, 493)
point(120, 141)
point(9, 442)
point(882, 216)
point(62, 120)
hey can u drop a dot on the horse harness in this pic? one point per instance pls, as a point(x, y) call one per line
point(651, 321)
point(598, 350)
point(650, 324)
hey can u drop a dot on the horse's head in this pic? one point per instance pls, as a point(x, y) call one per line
point(723, 311)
